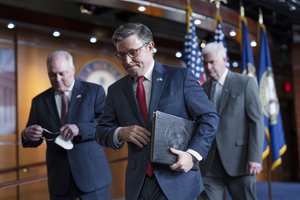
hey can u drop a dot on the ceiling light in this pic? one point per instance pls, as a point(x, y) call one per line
point(56, 34)
point(87, 9)
point(202, 44)
point(235, 64)
point(178, 54)
point(93, 39)
point(232, 33)
point(141, 8)
point(10, 26)
point(292, 7)
point(197, 22)
point(253, 43)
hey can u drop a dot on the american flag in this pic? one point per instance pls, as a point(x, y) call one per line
point(219, 35)
point(192, 55)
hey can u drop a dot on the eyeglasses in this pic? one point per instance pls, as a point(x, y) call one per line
point(132, 53)
point(48, 135)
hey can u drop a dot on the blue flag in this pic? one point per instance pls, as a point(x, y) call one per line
point(192, 55)
point(274, 137)
point(219, 35)
point(248, 67)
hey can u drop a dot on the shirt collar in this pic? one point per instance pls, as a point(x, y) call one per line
point(69, 90)
point(221, 80)
point(148, 74)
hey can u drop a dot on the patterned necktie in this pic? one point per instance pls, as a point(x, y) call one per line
point(141, 98)
point(64, 108)
point(216, 93)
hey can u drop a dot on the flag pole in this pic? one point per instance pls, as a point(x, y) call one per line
point(269, 161)
point(189, 11)
point(269, 177)
point(218, 15)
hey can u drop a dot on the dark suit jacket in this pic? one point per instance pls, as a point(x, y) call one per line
point(240, 134)
point(174, 91)
point(86, 161)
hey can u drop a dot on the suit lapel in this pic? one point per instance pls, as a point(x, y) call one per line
point(225, 92)
point(75, 100)
point(207, 88)
point(158, 81)
point(130, 95)
point(52, 108)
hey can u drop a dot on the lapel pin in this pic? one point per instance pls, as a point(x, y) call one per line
point(78, 96)
point(159, 79)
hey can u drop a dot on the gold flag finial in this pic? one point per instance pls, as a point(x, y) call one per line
point(260, 17)
point(218, 2)
point(242, 11)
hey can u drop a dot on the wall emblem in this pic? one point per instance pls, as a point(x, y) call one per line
point(268, 95)
point(100, 72)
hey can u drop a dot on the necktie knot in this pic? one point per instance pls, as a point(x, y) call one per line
point(141, 79)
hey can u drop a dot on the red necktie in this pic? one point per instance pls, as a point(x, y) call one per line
point(64, 108)
point(141, 98)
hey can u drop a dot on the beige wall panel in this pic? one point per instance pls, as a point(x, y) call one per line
point(34, 191)
point(118, 184)
point(8, 193)
point(8, 151)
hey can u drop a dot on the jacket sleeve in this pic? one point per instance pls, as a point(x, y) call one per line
point(255, 122)
point(203, 112)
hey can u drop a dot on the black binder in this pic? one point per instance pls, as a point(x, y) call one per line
point(169, 131)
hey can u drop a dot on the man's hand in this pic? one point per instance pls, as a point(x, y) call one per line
point(184, 161)
point(69, 131)
point(253, 168)
point(33, 132)
point(135, 134)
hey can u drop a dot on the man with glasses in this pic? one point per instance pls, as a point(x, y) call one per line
point(148, 87)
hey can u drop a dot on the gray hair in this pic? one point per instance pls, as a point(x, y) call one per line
point(61, 53)
point(126, 30)
point(213, 47)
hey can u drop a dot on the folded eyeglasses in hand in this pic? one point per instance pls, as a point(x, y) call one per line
point(48, 135)
point(58, 139)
